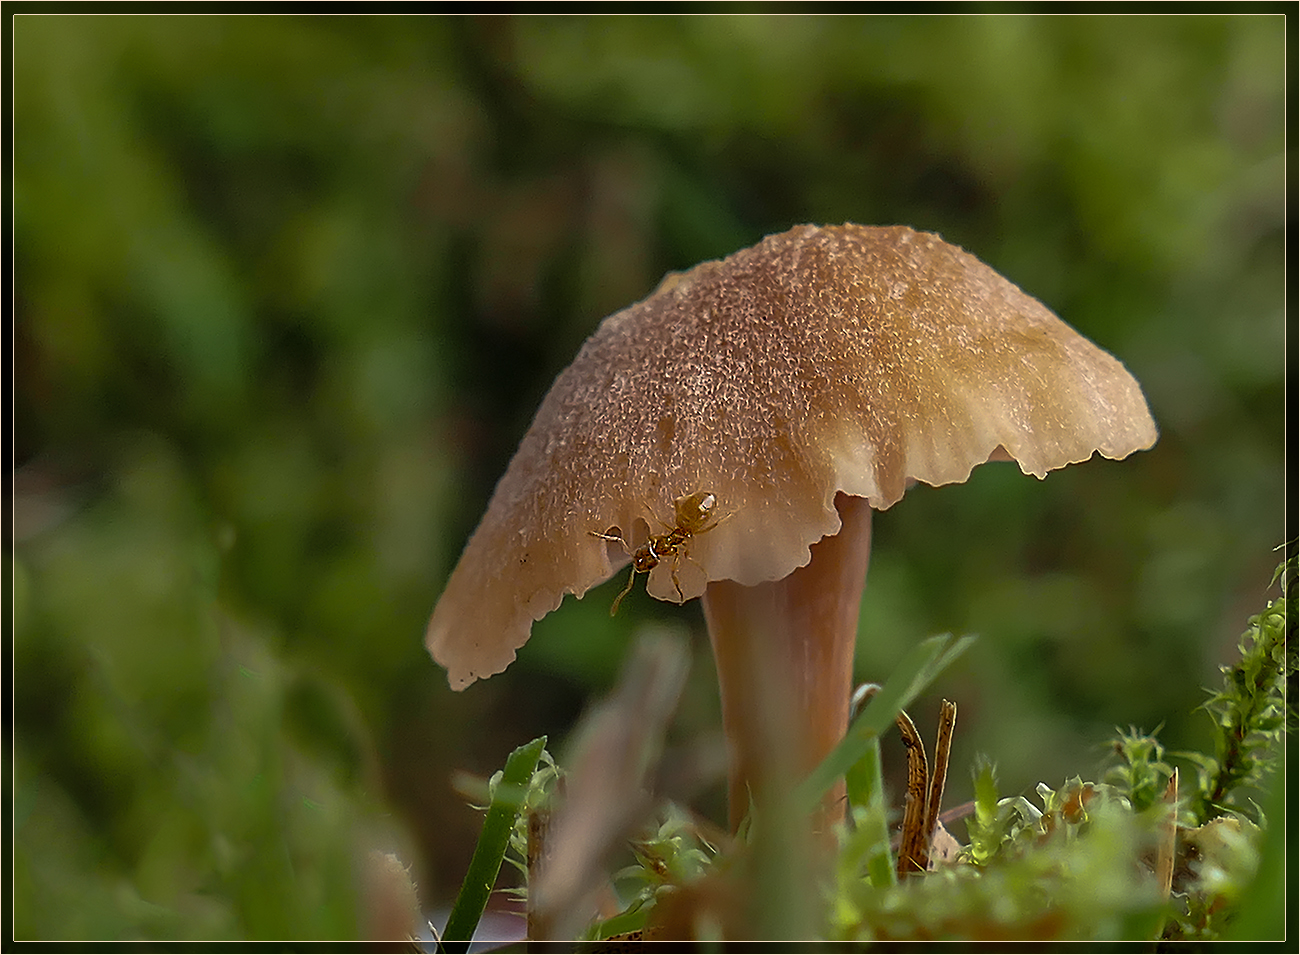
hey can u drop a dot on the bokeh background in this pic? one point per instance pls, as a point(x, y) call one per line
point(289, 289)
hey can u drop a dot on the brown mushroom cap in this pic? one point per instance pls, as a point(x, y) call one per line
point(824, 359)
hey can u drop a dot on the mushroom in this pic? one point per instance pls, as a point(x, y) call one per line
point(800, 383)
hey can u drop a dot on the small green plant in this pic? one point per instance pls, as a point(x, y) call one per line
point(1222, 824)
point(535, 801)
point(508, 793)
point(1250, 711)
point(1148, 852)
point(1142, 773)
point(1061, 871)
point(673, 854)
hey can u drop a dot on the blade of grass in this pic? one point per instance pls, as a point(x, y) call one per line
point(867, 797)
point(863, 778)
point(913, 675)
point(472, 898)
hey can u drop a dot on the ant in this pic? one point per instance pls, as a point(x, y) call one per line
point(692, 513)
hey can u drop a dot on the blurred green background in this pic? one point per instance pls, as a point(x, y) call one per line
point(290, 289)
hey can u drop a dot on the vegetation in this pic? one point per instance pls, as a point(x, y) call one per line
point(1081, 864)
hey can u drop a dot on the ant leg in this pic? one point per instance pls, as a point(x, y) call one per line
point(677, 559)
point(611, 537)
point(657, 519)
point(724, 517)
point(626, 590)
point(630, 577)
point(677, 583)
point(697, 564)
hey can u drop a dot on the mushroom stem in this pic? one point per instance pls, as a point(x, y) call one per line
point(784, 654)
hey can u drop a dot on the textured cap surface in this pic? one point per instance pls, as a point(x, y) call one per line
point(824, 359)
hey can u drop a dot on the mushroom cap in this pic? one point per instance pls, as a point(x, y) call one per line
point(847, 358)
